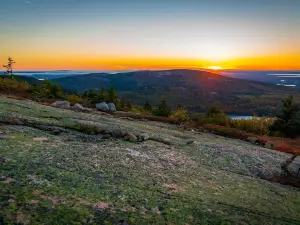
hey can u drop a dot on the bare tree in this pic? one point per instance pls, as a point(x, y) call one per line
point(9, 66)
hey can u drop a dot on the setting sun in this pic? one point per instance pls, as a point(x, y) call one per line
point(214, 67)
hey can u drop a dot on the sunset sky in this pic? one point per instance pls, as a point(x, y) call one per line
point(156, 34)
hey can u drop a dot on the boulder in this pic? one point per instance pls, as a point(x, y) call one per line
point(111, 107)
point(62, 104)
point(78, 107)
point(102, 107)
point(130, 137)
point(143, 137)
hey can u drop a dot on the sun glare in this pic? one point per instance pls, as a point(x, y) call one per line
point(214, 67)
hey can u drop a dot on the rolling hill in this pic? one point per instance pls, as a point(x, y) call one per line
point(196, 90)
point(29, 80)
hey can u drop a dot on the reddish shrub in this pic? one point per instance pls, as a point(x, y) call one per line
point(284, 148)
point(226, 131)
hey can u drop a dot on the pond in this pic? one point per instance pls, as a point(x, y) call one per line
point(235, 117)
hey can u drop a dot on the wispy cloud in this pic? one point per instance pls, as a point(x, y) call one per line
point(27, 2)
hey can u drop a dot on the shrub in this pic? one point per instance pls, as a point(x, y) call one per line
point(46, 90)
point(214, 111)
point(180, 114)
point(218, 120)
point(10, 86)
point(74, 99)
point(258, 126)
point(227, 132)
point(284, 148)
point(88, 128)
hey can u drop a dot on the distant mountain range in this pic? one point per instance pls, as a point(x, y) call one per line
point(194, 89)
point(288, 77)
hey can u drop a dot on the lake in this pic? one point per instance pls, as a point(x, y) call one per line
point(235, 117)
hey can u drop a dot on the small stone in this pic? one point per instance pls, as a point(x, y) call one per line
point(191, 142)
point(130, 137)
point(143, 137)
point(99, 179)
point(118, 133)
point(41, 139)
point(270, 145)
point(3, 159)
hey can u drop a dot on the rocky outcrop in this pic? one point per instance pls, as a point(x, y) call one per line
point(62, 104)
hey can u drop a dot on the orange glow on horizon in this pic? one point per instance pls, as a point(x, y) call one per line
point(67, 62)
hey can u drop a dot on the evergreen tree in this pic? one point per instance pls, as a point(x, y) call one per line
point(162, 109)
point(147, 107)
point(112, 95)
point(180, 107)
point(288, 122)
point(128, 105)
point(214, 111)
point(100, 96)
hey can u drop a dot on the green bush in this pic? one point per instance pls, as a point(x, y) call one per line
point(46, 90)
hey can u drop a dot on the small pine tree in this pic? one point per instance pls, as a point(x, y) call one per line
point(91, 93)
point(147, 107)
point(288, 122)
point(100, 96)
point(180, 107)
point(214, 111)
point(162, 109)
point(128, 105)
point(9, 66)
point(122, 104)
point(112, 95)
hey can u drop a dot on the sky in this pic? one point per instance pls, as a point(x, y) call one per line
point(156, 34)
